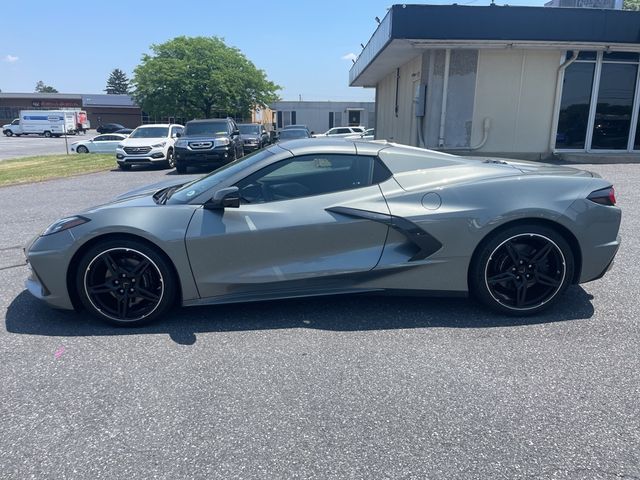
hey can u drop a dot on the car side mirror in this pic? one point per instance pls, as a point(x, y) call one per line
point(236, 132)
point(224, 198)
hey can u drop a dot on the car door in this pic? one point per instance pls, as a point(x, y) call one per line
point(289, 233)
point(98, 144)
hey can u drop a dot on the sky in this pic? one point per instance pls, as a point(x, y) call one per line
point(305, 46)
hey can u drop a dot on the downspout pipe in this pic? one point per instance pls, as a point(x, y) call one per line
point(556, 102)
point(445, 92)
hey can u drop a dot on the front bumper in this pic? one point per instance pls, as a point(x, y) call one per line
point(155, 155)
point(214, 157)
point(48, 259)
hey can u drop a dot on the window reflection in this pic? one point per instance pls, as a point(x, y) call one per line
point(574, 106)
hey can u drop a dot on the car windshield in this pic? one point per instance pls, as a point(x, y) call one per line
point(150, 132)
point(249, 129)
point(293, 133)
point(206, 128)
point(192, 189)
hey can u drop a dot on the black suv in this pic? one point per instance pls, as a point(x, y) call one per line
point(254, 136)
point(208, 143)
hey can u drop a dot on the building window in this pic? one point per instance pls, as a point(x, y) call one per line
point(597, 103)
point(330, 120)
point(574, 106)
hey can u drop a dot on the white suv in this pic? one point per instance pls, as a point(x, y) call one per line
point(342, 132)
point(149, 145)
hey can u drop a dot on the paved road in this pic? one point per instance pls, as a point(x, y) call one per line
point(30, 145)
point(333, 388)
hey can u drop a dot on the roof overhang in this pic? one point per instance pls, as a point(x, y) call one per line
point(407, 30)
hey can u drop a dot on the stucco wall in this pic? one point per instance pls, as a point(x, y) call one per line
point(516, 90)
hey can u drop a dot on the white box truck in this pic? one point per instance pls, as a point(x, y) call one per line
point(50, 123)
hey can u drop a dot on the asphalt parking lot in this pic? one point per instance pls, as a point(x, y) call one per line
point(30, 145)
point(326, 388)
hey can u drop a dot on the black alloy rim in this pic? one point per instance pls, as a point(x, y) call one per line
point(124, 284)
point(525, 271)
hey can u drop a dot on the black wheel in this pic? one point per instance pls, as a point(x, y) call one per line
point(82, 149)
point(181, 168)
point(171, 162)
point(8, 133)
point(47, 134)
point(124, 166)
point(125, 282)
point(521, 270)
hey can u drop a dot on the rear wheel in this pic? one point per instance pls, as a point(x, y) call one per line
point(521, 270)
point(47, 134)
point(82, 149)
point(125, 282)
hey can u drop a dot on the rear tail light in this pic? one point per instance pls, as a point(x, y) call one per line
point(604, 196)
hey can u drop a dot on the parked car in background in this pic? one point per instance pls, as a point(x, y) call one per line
point(342, 132)
point(149, 145)
point(208, 143)
point(368, 134)
point(109, 128)
point(49, 123)
point(293, 134)
point(125, 131)
point(254, 136)
point(101, 144)
point(297, 126)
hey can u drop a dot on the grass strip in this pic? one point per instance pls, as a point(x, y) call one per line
point(45, 167)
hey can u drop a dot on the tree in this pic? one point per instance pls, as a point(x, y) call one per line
point(42, 88)
point(631, 5)
point(193, 77)
point(118, 83)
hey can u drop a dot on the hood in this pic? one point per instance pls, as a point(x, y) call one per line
point(149, 190)
point(142, 142)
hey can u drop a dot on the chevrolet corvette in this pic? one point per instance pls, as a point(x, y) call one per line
point(333, 216)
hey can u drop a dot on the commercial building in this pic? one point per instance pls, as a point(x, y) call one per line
point(525, 82)
point(100, 108)
point(321, 116)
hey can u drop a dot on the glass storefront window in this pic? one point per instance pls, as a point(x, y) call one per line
point(614, 107)
point(574, 106)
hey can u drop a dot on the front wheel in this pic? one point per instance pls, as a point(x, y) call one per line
point(171, 162)
point(124, 166)
point(181, 168)
point(521, 270)
point(82, 149)
point(8, 133)
point(125, 282)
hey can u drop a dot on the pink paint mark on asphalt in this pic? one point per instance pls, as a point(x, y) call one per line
point(59, 352)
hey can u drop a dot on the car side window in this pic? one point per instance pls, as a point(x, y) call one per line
point(307, 175)
point(100, 138)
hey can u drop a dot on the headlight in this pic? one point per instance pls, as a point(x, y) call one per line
point(65, 224)
point(181, 143)
point(120, 145)
point(222, 141)
point(159, 145)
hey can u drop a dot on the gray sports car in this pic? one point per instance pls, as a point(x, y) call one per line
point(322, 217)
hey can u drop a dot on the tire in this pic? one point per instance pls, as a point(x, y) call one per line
point(82, 149)
point(125, 282)
point(124, 166)
point(521, 270)
point(8, 133)
point(47, 134)
point(171, 161)
point(180, 168)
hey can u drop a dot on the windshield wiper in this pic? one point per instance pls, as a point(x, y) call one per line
point(165, 194)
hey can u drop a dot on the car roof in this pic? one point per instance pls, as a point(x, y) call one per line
point(209, 120)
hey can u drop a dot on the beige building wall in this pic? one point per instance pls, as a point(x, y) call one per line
point(400, 129)
point(516, 90)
